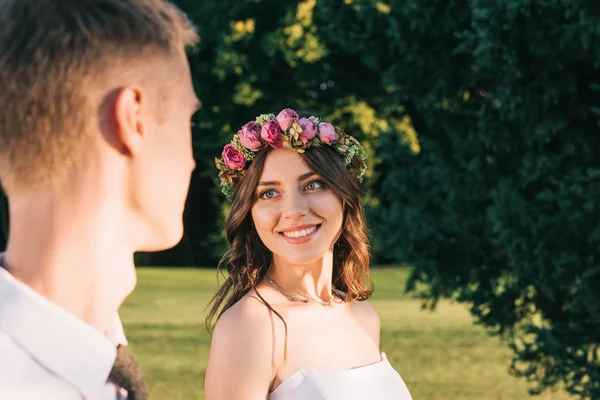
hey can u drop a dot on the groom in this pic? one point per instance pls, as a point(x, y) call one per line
point(95, 158)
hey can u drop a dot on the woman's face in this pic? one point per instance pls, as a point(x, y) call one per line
point(296, 215)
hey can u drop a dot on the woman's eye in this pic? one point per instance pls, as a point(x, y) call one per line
point(314, 185)
point(268, 194)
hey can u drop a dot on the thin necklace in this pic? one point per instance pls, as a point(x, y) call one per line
point(293, 298)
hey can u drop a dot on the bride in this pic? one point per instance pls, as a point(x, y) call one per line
point(293, 320)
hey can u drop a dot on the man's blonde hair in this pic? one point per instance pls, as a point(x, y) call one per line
point(53, 54)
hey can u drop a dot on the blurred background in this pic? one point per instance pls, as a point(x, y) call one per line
point(481, 121)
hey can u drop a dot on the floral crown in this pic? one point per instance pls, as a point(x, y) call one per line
point(286, 131)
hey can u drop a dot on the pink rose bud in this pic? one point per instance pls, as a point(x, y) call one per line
point(327, 133)
point(286, 117)
point(233, 158)
point(309, 130)
point(250, 136)
point(271, 133)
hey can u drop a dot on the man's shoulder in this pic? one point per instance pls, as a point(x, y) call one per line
point(21, 376)
point(13, 356)
point(17, 363)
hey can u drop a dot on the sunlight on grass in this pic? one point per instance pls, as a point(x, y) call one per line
point(440, 355)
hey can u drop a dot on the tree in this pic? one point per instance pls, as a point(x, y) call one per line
point(261, 56)
point(499, 209)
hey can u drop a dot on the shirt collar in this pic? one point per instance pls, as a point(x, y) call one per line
point(73, 350)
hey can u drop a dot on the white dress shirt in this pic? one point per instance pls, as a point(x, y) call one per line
point(48, 353)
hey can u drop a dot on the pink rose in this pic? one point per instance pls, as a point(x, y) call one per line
point(271, 132)
point(286, 117)
point(233, 158)
point(309, 130)
point(327, 133)
point(250, 136)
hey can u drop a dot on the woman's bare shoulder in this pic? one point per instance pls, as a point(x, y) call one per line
point(365, 309)
point(241, 352)
point(248, 319)
point(368, 317)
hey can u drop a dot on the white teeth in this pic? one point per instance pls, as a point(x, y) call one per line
point(299, 234)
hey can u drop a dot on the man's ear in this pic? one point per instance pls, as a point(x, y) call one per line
point(129, 129)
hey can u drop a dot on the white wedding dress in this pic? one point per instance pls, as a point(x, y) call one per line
point(377, 381)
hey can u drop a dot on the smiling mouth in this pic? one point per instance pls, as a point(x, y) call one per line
point(300, 233)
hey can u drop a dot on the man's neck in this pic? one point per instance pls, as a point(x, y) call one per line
point(73, 257)
point(83, 290)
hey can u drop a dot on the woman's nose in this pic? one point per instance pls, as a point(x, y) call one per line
point(294, 205)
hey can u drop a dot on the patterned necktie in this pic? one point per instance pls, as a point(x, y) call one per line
point(126, 373)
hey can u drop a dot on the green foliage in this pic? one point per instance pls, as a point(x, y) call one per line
point(499, 209)
point(260, 56)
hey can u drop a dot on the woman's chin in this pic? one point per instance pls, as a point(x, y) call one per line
point(304, 258)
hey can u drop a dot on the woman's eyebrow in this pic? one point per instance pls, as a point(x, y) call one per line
point(305, 176)
point(277, 183)
point(269, 183)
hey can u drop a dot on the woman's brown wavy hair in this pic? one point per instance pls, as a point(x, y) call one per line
point(247, 259)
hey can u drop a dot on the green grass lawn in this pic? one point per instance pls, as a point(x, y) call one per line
point(440, 355)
